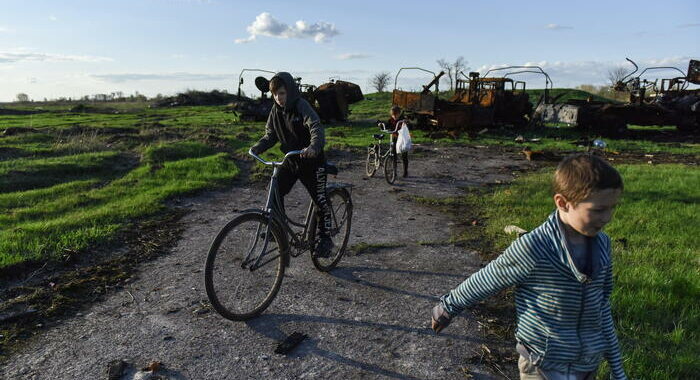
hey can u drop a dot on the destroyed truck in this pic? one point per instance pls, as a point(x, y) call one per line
point(478, 102)
point(427, 110)
point(330, 100)
point(667, 101)
point(502, 100)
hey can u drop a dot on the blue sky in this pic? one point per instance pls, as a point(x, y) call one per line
point(74, 48)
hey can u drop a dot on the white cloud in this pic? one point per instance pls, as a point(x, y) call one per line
point(557, 27)
point(179, 76)
point(53, 18)
point(4, 29)
point(347, 56)
point(266, 25)
point(26, 55)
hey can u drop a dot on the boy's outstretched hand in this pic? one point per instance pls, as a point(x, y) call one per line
point(308, 152)
point(440, 318)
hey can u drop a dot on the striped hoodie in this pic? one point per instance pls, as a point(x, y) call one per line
point(563, 316)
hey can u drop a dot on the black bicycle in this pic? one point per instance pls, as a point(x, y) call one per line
point(247, 259)
point(375, 157)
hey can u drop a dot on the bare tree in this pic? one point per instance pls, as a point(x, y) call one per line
point(458, 66)
point(615, 75)
point(379, 81)
point(448, 69)
point(22, 97)
point(452, 69)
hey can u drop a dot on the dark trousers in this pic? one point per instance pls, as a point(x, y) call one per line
point(312, 174)
point(404, 156)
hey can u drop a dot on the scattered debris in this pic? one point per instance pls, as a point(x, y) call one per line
point(290, 343)
point(535, 155)
point(115, 369)
point(512, 229)
point(153, 366)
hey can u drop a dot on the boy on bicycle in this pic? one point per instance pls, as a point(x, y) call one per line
point(296, 126)
point(562, 273)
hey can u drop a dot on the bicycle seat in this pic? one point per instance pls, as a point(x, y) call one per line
point(331, 168)
point(379, 136)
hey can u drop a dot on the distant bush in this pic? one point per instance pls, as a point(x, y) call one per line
point(197, 98)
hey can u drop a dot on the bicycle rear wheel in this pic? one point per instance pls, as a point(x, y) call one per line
point(371, 164)
point(341, 219)
point(390, 169)
point(236, 291)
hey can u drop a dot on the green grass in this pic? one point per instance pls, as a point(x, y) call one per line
point(31, 173)
point(73, 220)
point(564, 139)
point(656, 260)
point(75, 179)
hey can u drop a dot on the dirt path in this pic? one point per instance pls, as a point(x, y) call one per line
point(366, 319)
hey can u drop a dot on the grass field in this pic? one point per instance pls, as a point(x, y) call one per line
point(72, 180)
point(656, 260)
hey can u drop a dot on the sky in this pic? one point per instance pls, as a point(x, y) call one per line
point(70, 48)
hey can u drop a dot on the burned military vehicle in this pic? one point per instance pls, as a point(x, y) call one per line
point(330, 100)
point(249, 109)
point(425, 108)
point(478, 102)
point(501, 100)
point(666, 101)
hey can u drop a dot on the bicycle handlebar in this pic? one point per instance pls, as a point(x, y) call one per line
point(382, 126)
point(274, 163)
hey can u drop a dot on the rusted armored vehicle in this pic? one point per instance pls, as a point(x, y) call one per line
point(478, 102)
point(428, 111)
point(330, 100)
point(250, 109)
point(667, 101)
point(501, 100)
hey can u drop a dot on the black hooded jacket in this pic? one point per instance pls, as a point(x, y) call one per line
point(296, 125)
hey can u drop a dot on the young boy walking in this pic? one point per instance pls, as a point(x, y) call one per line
point(296, 126)
point(395, 116)
point(562, 272)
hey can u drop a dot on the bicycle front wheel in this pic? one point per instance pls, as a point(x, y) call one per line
point(371, 164)
point(390, 169)
point(245, 267)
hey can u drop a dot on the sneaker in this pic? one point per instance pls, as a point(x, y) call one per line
point(324, 247)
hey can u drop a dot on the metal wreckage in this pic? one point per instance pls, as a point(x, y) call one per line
point(662, 101)
point(490, 101)
point(478, 102)
point(330, 100)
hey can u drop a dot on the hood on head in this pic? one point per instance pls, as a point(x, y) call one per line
point(292, 90)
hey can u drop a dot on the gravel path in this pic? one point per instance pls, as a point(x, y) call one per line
point(369, 318)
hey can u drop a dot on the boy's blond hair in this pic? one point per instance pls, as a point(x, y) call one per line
point(579, 175)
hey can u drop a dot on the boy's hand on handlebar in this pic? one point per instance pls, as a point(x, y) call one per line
point(439, 318)
point(309, 152)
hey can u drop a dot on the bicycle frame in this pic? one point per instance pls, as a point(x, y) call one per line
point(378, 145)
point(277, 217)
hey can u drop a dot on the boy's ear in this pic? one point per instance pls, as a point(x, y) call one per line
point(561, 202)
